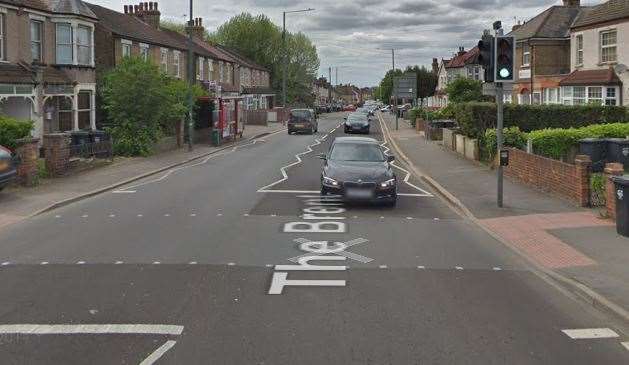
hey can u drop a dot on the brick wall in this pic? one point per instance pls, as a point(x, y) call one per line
point(27, 150)
point(57, 153)
point(569, 181)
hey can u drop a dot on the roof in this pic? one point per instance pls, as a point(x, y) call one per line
point(241, 59)
point(608, 11)
point(468, 58)
point(355, 140)
point(554, 22)
point(129, 26)
point(591, 77)
point(211, 51)
point(11, 73)
point(75, 7)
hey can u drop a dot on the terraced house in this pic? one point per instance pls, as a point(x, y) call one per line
point(47, 61)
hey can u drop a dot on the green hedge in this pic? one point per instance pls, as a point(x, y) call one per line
point(12, 129)
point(551, 142)
point(475, 118)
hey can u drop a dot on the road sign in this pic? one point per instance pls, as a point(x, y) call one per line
point(405, 86)
point(489, 88)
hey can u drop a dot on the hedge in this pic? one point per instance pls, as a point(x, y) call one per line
point(475, 118)
point(12, 129)
point(552, 142)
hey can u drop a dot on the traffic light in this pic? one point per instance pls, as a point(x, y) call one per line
point(505, 57)
point(486, 56)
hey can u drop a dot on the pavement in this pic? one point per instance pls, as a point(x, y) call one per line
point(575, 243)
point(19, 203)
point(236, 258)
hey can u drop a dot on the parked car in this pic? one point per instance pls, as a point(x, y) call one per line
point(357, 122)
point(349, 108)
point(357, 169)
point(8, 167)
point(385, 108)
point(303, 120)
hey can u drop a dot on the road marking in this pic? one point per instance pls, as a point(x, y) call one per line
point(157, 354)
point(589, 333)
point(245, 215)
point(166, 215)
point(85, 216)
point(75, 329)
point(339, 250)
point(112, 216)
point(409, 218)
point(57, 216)
point(626, 345)
point(436, 219)
point(119, 262)
point(140, 215)
point(273, 215)
point(156, 262)
point(193, 215)
point(421, 267)
point(6, 263)
point(280, 280)
point(383, 266)
point(192, 263)
point(269, 265)
point(458, 268)
point(80, 262)
point(219, 215)
point(44, 263)
point(124, 191)
point(231, 264)
point(497, 269)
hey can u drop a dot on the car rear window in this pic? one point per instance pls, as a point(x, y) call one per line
point(300, 114)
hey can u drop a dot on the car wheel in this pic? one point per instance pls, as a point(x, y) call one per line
point(289, 132)
point(346, 130)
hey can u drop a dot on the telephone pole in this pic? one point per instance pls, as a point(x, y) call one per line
point(191, 81)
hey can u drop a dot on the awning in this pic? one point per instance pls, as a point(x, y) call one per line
point(591, 77)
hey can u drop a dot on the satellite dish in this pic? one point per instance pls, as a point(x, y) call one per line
point(620, 68)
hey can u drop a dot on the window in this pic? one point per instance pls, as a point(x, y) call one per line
point(579, 50)
point(608, 46)
point(220, 71)
point(610, 96)
point(85, 110)
point(477, 73)
point(595, 95)
point(163, 60)
point(199, 68)
point(37, 28)
point(526, 55)
point(176, 65)
point(64, 43)
point(524, 98)
point(126, 48)
point(537, 98)
point(578, 95)
point(84, 45)
point(210, 69)
point(144, 51)
point(3, 55)
point(229, 73)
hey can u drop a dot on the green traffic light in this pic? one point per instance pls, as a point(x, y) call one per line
point(504, 73)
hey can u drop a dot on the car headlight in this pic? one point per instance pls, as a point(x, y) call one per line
point(330, 182)
point(387, 184)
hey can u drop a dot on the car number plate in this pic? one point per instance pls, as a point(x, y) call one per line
point(4, 165)
point(359, 193)
point(300, 125)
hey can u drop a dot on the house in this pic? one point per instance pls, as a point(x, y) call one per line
point(440, 99)
point(321, 89)
point(47, 64)
point(349, 94)
point(599, 60)
point(462, 64)
point(542, 57)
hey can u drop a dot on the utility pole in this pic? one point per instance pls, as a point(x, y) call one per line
point(191, 80)
point(329, 84)
point(395, 87)
point(337, 76)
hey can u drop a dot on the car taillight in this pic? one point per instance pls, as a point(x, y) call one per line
point(2, 148)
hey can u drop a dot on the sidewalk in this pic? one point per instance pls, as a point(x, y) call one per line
point(551, 232)
point(17, 203)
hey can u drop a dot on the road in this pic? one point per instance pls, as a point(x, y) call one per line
point(180, 268)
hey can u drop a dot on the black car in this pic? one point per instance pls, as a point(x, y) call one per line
point(357, 169)
point(357, 122)
point(302, 120)
point(8, 171)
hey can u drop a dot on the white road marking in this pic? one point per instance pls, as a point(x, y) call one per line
point(156, 262)
point(626, 345)
point(166, 215)
point(157, 354)
point(119, 262)
point(273, 215)
point(231, 264)
point(245, 215)
point(409, 218)
point(269, 265)
point(44, 263)
point(192, 263)
point(279, 281)
point(458, 268)
point(383, 266)
point(497, 268)
point(80, 262)
point(57, 216)
point(6, 263)
point(219, 215)
point(421, 267)
point(112, 216)
point(436, 219)
point(140, 215)
point(75, 329)
point(193, 215)
point(124, 191)
point(346, 245)
point(589, 333)
point(85, 216)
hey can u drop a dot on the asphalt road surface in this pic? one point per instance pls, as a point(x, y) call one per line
point(180, 268)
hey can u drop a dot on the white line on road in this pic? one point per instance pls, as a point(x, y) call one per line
point(123, 191)
point(421, 267)
point(157, 354)
point(589, 333)
point(192, 263)
point(383, 266)
point(75, 329)
point(80, 262)
point(112, 216)
point(85, 216)
point(231, 264)
point(497, 268)
point(156, 262)
point(119, 262)
point(459, 268)
point(6, 263)
point(626, 345)
point(44, 263)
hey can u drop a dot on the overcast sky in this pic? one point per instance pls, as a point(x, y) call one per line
point(353, 34)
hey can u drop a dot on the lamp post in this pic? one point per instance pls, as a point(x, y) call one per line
point(191, 80)
point(284, 55)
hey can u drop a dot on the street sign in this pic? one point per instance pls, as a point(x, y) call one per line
point(405, 86)
point(504, 158)
point(489, 88)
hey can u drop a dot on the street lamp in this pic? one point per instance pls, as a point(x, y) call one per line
point(191, 81)
point(285, 65)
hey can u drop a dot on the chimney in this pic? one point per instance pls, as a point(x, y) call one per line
point(516, 26)
point(151, 15)
point(461, 51)
point(572, 3)
point(435, 66)
point(197, 28)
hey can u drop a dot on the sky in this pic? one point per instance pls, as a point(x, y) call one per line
point(355, 37)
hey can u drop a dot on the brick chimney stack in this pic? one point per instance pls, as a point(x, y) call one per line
point(197, 28)
point(435, 66)
point(146, 12)
point(572, 3)
point(461, 51)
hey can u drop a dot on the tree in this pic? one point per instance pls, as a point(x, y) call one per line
point(461, 90)
point(386, 85)
point(141, 102)
point(426, 81)
point(257, 38)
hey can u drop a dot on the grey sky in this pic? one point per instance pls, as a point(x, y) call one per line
point(353, 35)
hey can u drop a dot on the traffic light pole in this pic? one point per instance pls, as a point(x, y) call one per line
point(499, 138)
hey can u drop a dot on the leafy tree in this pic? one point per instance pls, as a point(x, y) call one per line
point(141, 102)
point(257, 38)
point(426, 81)
point(386, 85)
point(461, 90)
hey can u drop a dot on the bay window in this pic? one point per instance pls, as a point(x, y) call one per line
point(37, 28)
point(578, 95)
point(597, 95)
point(608, 46)
point(64, 43)
point(610, 96)
point(84, 45)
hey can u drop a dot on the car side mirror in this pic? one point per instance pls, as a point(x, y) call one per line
point(322, 156)
point(390, 158)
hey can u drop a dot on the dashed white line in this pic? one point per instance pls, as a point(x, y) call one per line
point(421, 267)
point(231, 264)
point(192, 263)
point(84, 216)
point(458, 267)
point(590, 333)
point(57, 216)
point(409, 218)
point(497, 268)
point(383, 266)
point(269, 265)
point(436, 219)
point(44, 263)
point(73, 329)
point(112, 216)
point(245, 215)
point(273, 215)
point(157, 354)
point(626, 345)
point(193, 215)
point(6, 263)
point(156, 262)
point(80, 262)
point(166, 215)
point(140, 215)
point(119, 262)
point(219, 215)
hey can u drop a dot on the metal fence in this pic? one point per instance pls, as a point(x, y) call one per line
point(103, 149)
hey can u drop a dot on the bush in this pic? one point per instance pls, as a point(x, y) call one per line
point(512, 137)
point(12, 129)
point(475, 118)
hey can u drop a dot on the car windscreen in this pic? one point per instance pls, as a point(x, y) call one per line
point(362, 152)
point(300, 115)
point(357, 118)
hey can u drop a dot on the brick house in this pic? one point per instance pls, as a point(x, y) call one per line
point(599, 59)
point(47, 64)
point(542, 57)
point(321, 91)
point(349, 94)
point(463, 64)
